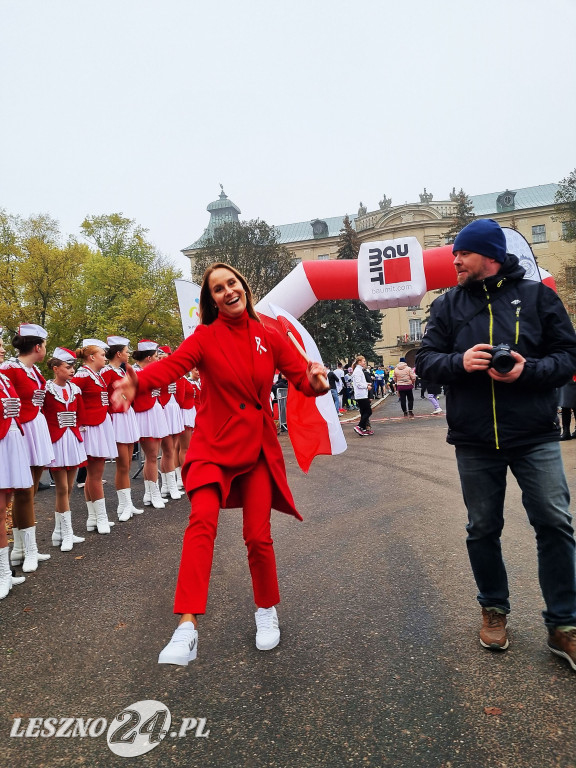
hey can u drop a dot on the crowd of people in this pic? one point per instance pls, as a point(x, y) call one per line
point(67, 423)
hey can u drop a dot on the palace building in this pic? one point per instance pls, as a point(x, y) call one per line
point(530, 211)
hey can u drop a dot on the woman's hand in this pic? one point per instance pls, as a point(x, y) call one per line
point(316, 373)
point(124, 390)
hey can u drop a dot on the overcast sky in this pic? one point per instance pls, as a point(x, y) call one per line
point(301, 108)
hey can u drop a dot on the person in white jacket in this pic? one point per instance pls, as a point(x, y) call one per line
point(361, 388)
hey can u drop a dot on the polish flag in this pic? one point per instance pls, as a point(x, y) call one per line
point(313, 424)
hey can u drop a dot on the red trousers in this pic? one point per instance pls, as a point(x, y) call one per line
point(198, 548)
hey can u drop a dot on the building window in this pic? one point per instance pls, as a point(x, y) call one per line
point(539, 233)
point(324, 257)
point(415, 330)
point(568, 229)
point(570, 273)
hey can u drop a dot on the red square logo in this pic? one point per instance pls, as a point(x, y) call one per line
point(397, 271)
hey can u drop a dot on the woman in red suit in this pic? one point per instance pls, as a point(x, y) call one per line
point(61, 406)
point(125, 426)
point(99, 437)
point(30, 341)
point(14, 468)
point(234, 459)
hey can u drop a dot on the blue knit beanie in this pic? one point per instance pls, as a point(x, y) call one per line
point(484, 236)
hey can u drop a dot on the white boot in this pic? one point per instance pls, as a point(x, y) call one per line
point(133, 510)
point(164, 489)
point(91, 522)
point(124, 510)
point(172, 486)
point(17, 554)
point(31, 555)
point(57, 533)
point(5, 573)
point(102, 522)
point(147, 500)
point(157, 500)
point(179, 482)
point(68, 538)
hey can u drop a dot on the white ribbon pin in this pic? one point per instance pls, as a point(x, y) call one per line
point(259, 346)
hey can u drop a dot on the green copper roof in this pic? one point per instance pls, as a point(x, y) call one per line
point(484, 205)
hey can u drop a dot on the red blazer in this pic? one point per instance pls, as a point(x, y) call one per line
point(174, 388)
point(7, 390)
point(30, 388)
point(94, 396)
point(55, 404)
point(234, 423)
point(188, 396)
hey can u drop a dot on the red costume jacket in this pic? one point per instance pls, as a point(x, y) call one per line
point(30, 386)
point(234, 423)
point(94, 396)
point(110, 376)
point(145, 399)
point(188, 396)
point(55, 404)
point(8, 407)
point(175, 388)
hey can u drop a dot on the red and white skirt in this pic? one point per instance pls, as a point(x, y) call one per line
point(69, 452)
point(14, 461)
point(152, 423)
point(100, 441)
point(126, 426)
point(38, 442)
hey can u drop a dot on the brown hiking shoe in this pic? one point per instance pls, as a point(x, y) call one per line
point(493, 633)
point(562, 642)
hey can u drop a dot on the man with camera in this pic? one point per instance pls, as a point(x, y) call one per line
point(501, 345)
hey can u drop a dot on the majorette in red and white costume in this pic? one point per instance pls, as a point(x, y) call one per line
point(152, 425)
point(188, 398)
point(62, 406)
point(62, 409)
point(168, 399)
point(14, 469)
point(125, 426)
point(99, 438)
point(30, 386)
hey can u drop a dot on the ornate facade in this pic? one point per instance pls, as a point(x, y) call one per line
point(529, 210)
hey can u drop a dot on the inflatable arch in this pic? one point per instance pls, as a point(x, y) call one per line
point(389, 273)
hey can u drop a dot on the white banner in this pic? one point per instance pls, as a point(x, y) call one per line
point(391, 273)
point(520, 247)
point(188, 301)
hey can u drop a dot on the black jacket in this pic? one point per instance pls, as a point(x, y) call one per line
point(503, 308)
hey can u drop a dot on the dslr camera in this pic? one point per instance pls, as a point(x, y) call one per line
point(502, 360)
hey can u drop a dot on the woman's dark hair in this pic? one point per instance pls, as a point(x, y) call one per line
point(112, 351)
point(208, 311)
point(139, 355)
point(25, 344)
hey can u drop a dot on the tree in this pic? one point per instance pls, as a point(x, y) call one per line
point(343, 329)
point(463, 215)
point(115, 235)
point(565, 206)
point(252, 248)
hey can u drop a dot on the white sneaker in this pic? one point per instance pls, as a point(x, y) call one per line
point(267, 629)
point(183, 646)
point(437, 410)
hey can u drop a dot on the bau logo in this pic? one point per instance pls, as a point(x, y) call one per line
point(390, 264)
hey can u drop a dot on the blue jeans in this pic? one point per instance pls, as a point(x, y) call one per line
point(546, 499)
point(336, 399)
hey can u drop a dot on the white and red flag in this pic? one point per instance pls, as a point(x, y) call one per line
point(313, 424)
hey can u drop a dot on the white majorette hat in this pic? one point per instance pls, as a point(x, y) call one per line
point(114, 341)
point(30, 329)
point(61, 353)
point(94, 343)
point(145, 345)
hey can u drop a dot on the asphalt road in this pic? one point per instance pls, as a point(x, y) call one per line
point(379, 663)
